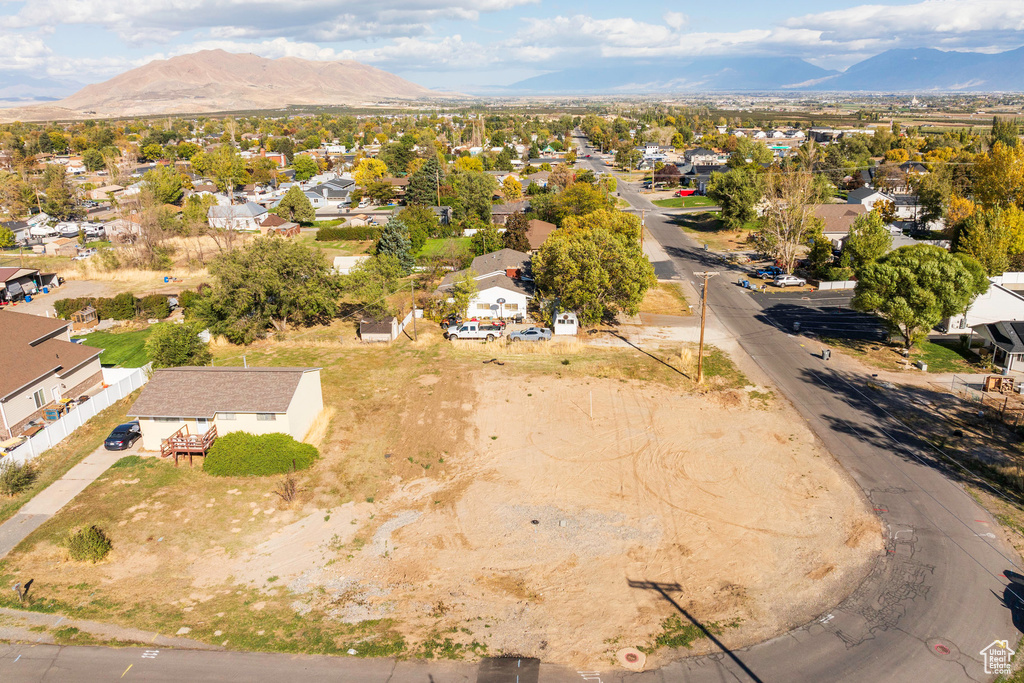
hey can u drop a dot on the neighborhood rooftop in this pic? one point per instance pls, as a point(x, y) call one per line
point(30, 350)
point(204, 392)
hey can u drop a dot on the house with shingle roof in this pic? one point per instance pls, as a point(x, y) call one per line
point(503, 281)
point(253, 400)
point(39, 365)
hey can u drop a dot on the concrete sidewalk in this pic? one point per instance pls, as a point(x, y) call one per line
point(55, 496)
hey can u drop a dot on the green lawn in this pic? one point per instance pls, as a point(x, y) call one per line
point(124, 349)
point(683, 202)
point(433, 247)
point(946, 356)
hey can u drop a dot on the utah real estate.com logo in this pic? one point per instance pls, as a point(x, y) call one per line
point(997, 657)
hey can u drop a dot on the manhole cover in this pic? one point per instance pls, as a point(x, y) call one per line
point(631, 658)
point(943, 649)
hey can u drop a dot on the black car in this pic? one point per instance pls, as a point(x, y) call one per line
point(123, 437)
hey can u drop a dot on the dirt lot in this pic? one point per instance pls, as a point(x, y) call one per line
point(464, 508)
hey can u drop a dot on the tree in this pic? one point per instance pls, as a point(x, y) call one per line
point(886, 210)
point(305, 167)
point(789, 215)
point(380, 192)
point(619, 222)
point(1005, 131)
point(151, 152)
point(999, 176)
point(472, 195)
point(394, 241)
point(93, 159)
point(511, 189)
point(227, 168)
point(596, 273)
point(422, 224)
point(516, 228)
point(398, 155)
point(485, 240)
point(736, 191)
point(578, 199)
point(463, 290)
point(424, 183)
point(6, 238)
point(369, 171)
point(992, 237)
point(913, 288)
point(869, 240)
point(933, 192)
point(174, 346)
point(371, 281)
point(295, 206)
point(60, 200)
point(271, 283)
point(469, 164)
point(166, 184)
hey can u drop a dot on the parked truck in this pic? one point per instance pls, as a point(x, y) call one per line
point(474, 330)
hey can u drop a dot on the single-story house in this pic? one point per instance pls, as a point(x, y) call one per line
point(868, 197)
point(382, 331)
point(538, 232)
point(503, 281)
point(62, 246)
point(334, 192)
point(274, 225)
point(204, 189)
point(41, 365)
point(105, 192)
point(837, 219)
point(15, 282)
point(1006, 340)
point(20, 230)
point(999, 303)
point(501, 212)
point(237, 216)
point(253, 400)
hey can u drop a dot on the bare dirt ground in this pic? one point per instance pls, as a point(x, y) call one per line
point(549, 513)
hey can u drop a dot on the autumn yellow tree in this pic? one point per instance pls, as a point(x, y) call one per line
point(999, 176)
point(370, 171)
point(511, 189)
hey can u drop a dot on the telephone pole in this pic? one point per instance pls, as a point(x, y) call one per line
point(412, 288)
point(643, 223)
point(703, 312)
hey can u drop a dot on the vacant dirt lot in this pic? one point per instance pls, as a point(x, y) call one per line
point(489, 509)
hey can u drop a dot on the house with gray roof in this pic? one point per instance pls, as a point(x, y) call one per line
point(244, 217)
point(233, 399)
point(1005, 338)
point(503, 281)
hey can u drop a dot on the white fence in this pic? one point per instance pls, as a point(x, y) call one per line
point(837, 284)
point(408, 319)
point(122, 383)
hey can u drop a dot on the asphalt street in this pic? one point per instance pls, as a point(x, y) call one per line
point(823, 313)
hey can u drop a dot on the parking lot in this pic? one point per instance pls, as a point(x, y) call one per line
point(823, 313)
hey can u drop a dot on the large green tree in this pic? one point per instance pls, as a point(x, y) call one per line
point(166, 184)
point(295, 206)
point(305, 167)
point(913, 288)
point(271, 283)
point(736, 191)
point(516, 228)
point(620, 222)
point(175, 346)
point(486, 239)
point(422, 223)
point(424, 183)
point(869, 240)
point(596, 273)
point(394, 241)
point(473, 191)
point(60, 199)
point(370, 283)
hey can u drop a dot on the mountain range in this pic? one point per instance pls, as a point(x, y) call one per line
point(905, 70)
point(215, 80)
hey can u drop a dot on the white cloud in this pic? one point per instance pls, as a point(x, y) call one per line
point(675, 20)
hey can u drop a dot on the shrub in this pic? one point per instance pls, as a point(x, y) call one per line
point(369, 232)
point(155, 306)
point(16, 477)
point(188, 298)
point(124, 306)
point(65, 307)
point(241, 454)
point(88, 544)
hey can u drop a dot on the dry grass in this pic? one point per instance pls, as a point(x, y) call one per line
point(665, 299)
point(318, 430)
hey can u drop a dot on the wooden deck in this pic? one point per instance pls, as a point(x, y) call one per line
point(182, 443)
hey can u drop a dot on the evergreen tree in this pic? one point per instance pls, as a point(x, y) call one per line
point(423, 183)
point(295, 207)
point(394, 241)
point(515, 232)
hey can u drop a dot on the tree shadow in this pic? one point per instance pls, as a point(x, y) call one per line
point(649, 355)
point(1013, 598)
point(663, 589)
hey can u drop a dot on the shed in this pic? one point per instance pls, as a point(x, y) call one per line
point(566, 323)
point(84, 319)
point(385, 331)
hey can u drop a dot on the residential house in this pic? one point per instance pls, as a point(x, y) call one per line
point(1004, 301)
point(540, 178)
point(204, 189)
point(705, 157)
point(243, 217)
point(233, 399)
point(41, 365)
point(501, 212)
point(399, 185)
point(867, 197)
point(16, 282)
point(503, 281)
point(62, 246)
point(20, 230)
point(444, 214)
point(273, 225)
point(1005, 338)
point(538, 232)
point(334, 193)
point(105, 192)
point(837, 219)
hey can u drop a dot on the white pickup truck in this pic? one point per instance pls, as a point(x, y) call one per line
point(474, 330)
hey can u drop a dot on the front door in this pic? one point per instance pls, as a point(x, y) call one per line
point(202, 424)
point(56, 393)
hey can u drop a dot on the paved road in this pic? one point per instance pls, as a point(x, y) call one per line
point(938, 594)
point(823, 313)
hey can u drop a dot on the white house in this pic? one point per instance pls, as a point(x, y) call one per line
point(867, 197)
point(503, 283)
point(236, 216)
point(254, 400)
point(1000, 303)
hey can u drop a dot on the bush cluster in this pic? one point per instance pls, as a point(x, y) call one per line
point(124, 306)
point(88, 544)
point(240, 454)
point(369, 232)
point(16, 477)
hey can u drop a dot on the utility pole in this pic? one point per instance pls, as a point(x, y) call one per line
point(643, 223)
point(437, 183)
point(703, 312)
point(412, 288)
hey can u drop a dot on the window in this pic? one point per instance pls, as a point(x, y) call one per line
point(265, 417)
point(167, 419)
point(227, 416)
point(40, 398)
point(511, 307)
point(483, 307)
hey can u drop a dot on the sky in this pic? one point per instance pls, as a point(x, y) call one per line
point(476, 44)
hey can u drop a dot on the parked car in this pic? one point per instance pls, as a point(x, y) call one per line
point(770, 273)
point(789, 281)
point(475, 330)
point(123, 437)
point(531, 334)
